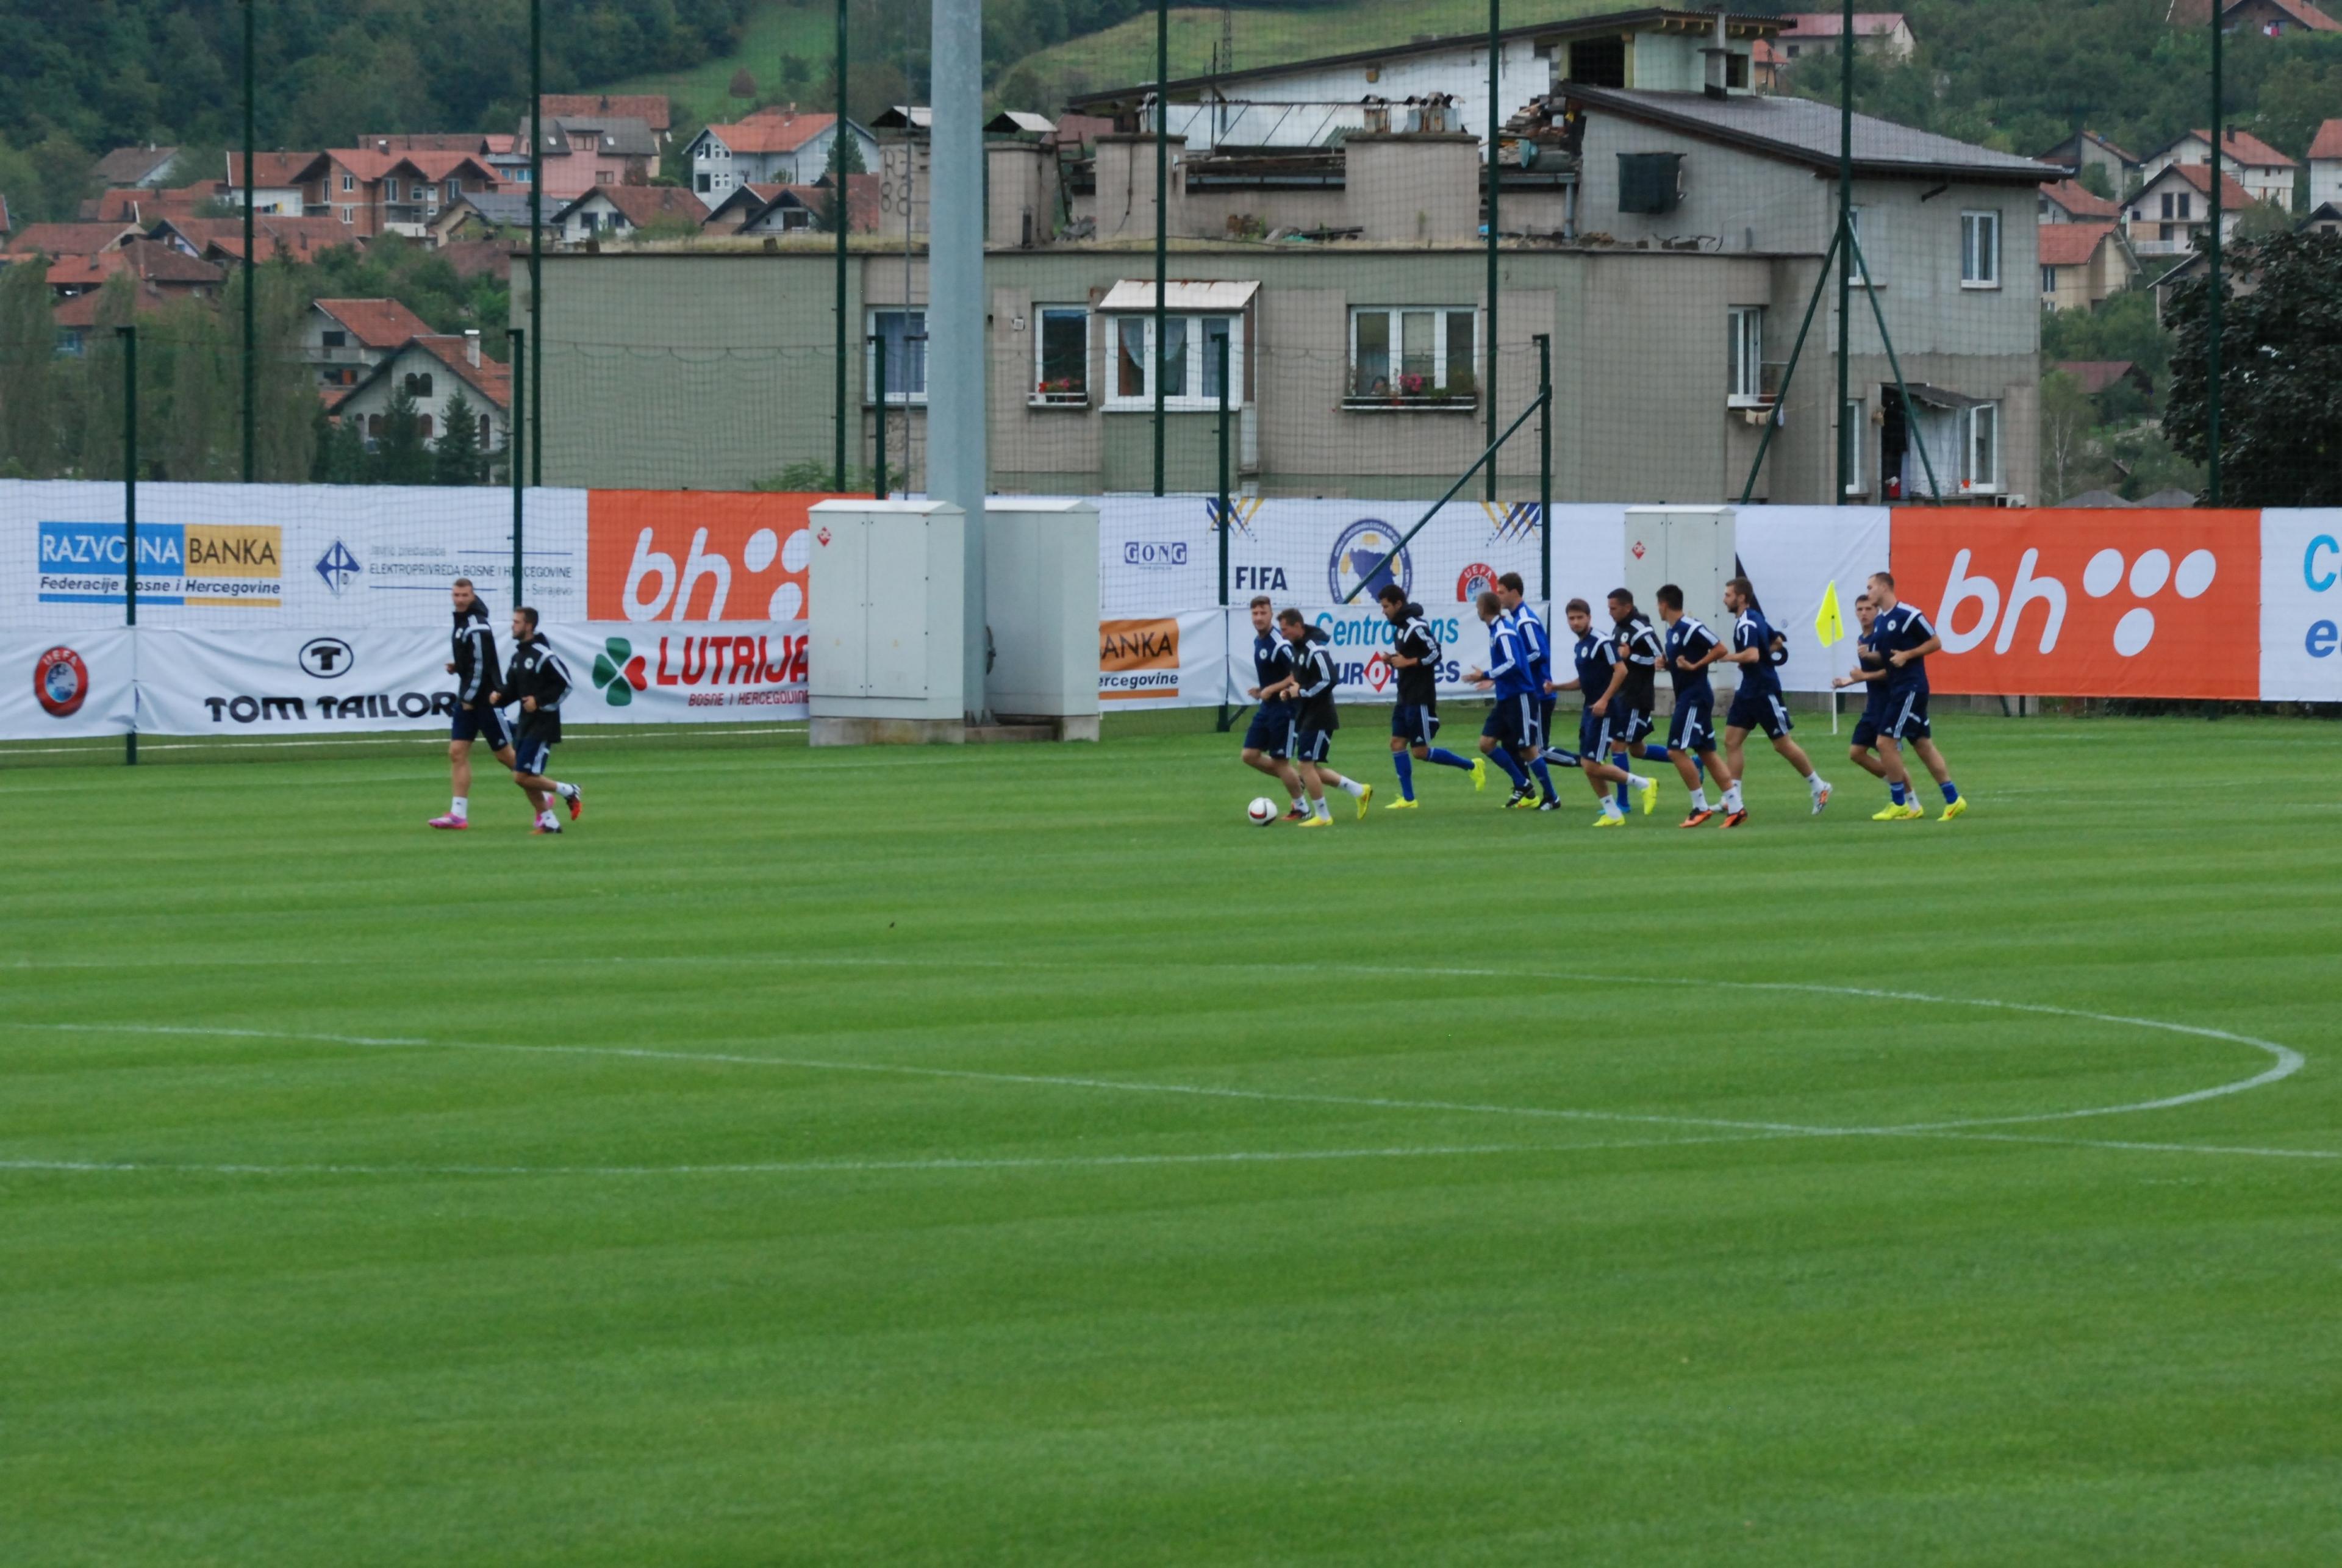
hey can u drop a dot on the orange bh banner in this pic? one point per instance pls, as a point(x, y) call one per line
point(2084, 603)
point(696, 556)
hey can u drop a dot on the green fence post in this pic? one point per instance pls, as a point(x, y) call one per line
point(251, 260)
point(843, 204)
point(1846, 231)
point(2212, 304)
point(879, 486)
point(1223, 505)
point(536, 233)
point(1495, 122)
point(1162, 212)
point(513, 426)
point(1545, 466)
point(129, 337)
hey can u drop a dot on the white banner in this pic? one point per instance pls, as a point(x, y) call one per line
point(1792, 555)
point(2301, 606)
point(698, 673)
point(59, 686)
point(1175, 661)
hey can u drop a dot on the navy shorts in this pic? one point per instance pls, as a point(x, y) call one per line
point(1692, 728)
point(1270, 729)
point(1311, 746)
point(1759, 711)
point(1517, 722)
point(1866, 729)
point(532, 756)
point(1593, 736)
point(1415, 723)
point(1628, 725)
point(483, 723)
point(1906, 715)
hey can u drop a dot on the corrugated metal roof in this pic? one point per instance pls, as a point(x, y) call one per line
point(1138, 294)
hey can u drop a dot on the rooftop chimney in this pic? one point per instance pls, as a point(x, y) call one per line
point(472, 346)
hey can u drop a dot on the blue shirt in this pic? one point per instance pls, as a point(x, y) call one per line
point(1866, 654)
point(1272, 661)
point(1688, 639)
point(1596, 656)
point(1753, 631)
point(1894, 631)
point(1507, 666)
point(1536, 647)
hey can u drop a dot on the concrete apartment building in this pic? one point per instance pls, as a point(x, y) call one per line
point(1667, 242)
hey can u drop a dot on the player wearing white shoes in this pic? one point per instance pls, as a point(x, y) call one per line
point(1691, 648)
point(1623, 710)
point(1905, 638)
point(1271, 730)
point(538, 680)
point(1870, 673)
point(472, 660)
point(1757, 704)
point(1536, 647)
point(1314, 720)
point(1415, 716)
point(1595, 655)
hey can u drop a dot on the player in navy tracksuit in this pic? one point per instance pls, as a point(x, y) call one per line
point(1904, 637)
point(1625, 709)
point(1414, 717)
point(538, 680)
point(1595, 655)
point(1271, 730)
point(1869, 673)
point(1537, 646)
point(1758, 705)
point(472, 660)
point(1690, 649)
point(1311, 686)
point(1512, 730)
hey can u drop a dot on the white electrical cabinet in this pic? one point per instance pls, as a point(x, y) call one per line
point(1694, 547)
point(1041, 592)
point(887, 601)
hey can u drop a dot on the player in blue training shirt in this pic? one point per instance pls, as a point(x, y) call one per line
point(1905, 639)
point(1536, 647)
point(1595, 655)
point(1271, 729)
point(1625, 708)
point(1311, 686)
point(1757, 705)
point(1414, 717)
point(1869, 673)
point(1511, 732)
point(1690, 648)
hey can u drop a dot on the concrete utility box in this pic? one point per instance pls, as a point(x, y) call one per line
point(889, 592)
point(1695, 548)
point(1041, 587)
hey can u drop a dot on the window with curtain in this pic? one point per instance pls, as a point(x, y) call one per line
point(1062, 368)
point(1189, 365)
point(904, 335)
point(1408, 355)
point(1745, 365)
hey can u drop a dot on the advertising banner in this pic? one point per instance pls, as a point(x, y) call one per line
point(697, 555)
point(1792, 555)
point(1316, 552)
point(57, 687)
point(701, 673)
point(2301, 606)
point(2082, 603)
point(1178, 661)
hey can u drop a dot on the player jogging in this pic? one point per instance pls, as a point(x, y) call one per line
point(1624, 707)
point(538, 680)
point(1271, 730)
point(1511, 730)
point(1870, 673)
point(1757, 705)
point(1904, 637)
point(1314, 720)
point(1536, 647)
point(1414, 718)
point(473, 662)
point(1690, 649)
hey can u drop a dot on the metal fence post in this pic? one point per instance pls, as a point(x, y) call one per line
point(513, 426)
point(1162, 212)
point(536, 232)
point(1545, 466)
point(1224, 519)
point(251, 260)
point(1846, 231)
point(129, 337)
point(1495, 123)
point(842, 204)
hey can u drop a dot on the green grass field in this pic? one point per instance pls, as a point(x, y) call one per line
point(775, 30)
point(1008, 1156)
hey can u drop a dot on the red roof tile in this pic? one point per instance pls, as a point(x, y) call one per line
point(71, 239)
point(2077, 199)
point(2095, 375)
point(772, 131)
point(650, 108)
point(376, 322)
point(148, 259)
point(2328, 143)
point(2234, 197)
point(2308, 18)
point(275, 170)
point(2071, 245)
point(2246, 148)
point(649, 203)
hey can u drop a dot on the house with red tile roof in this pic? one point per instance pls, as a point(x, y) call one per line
point(2252, 163)
point(2325, 160)
point(433, 368)
point(774, 147)
point(346, 338)
point(2171, 211)
point(651, 108)
point(619, 212)
point(275, 182)
point(2277, 19)
point(2083, 262)
point(380, 189)
point(149, 165)
point(583, 153)
point(2067, 201)
point(141, 204)
point(1806, 34)
point(55, 240)
point(795, 209)
point(221, 240)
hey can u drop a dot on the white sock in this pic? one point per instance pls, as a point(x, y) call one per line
point(1732, 798)
point(1816, 782)
point(565, 791)
point(1610, 807)
point(1317, 808)
point(460, 808)
point(1642, 782)
point(1353, 787)
point(1297, 804)
point(1699, 800)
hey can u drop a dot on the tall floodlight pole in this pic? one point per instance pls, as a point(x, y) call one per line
point(1845, 244)
point(535, 241)
point(1162, 215)
point(251, 260)
point(2212, 304)
point(841, 203)
point(956, 305)
point(1496, 121)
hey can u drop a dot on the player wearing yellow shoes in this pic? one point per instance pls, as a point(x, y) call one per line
point(1903, 636)
point(1870, 673)
point(1414, 717)
point(1314, 720)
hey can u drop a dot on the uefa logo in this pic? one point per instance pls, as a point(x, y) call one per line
point(61, 682)
point(1366, 557)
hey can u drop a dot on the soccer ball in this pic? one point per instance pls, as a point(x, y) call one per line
point(1262, 812)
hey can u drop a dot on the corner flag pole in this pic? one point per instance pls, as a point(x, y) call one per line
point(1829, 630)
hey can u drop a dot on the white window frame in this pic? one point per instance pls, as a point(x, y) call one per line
point(1974, 422)
point(1744, 371)
point(1037, 395)
point(2048, 279)
point(1440, 394)
point(1872, 239)
point(1980, 260)
point(1190, 395)
point(897, 395)
point(349, 181)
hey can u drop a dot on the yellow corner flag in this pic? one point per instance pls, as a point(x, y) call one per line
point(1828, 625)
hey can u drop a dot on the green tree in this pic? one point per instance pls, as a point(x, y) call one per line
point(457, 457)
point(341, 450)
point(2094, 179)
point(2069, 419)
point(844, 158)
point(400, 456)
point(742, 85)
point(2280, 386)
point(28, 337)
